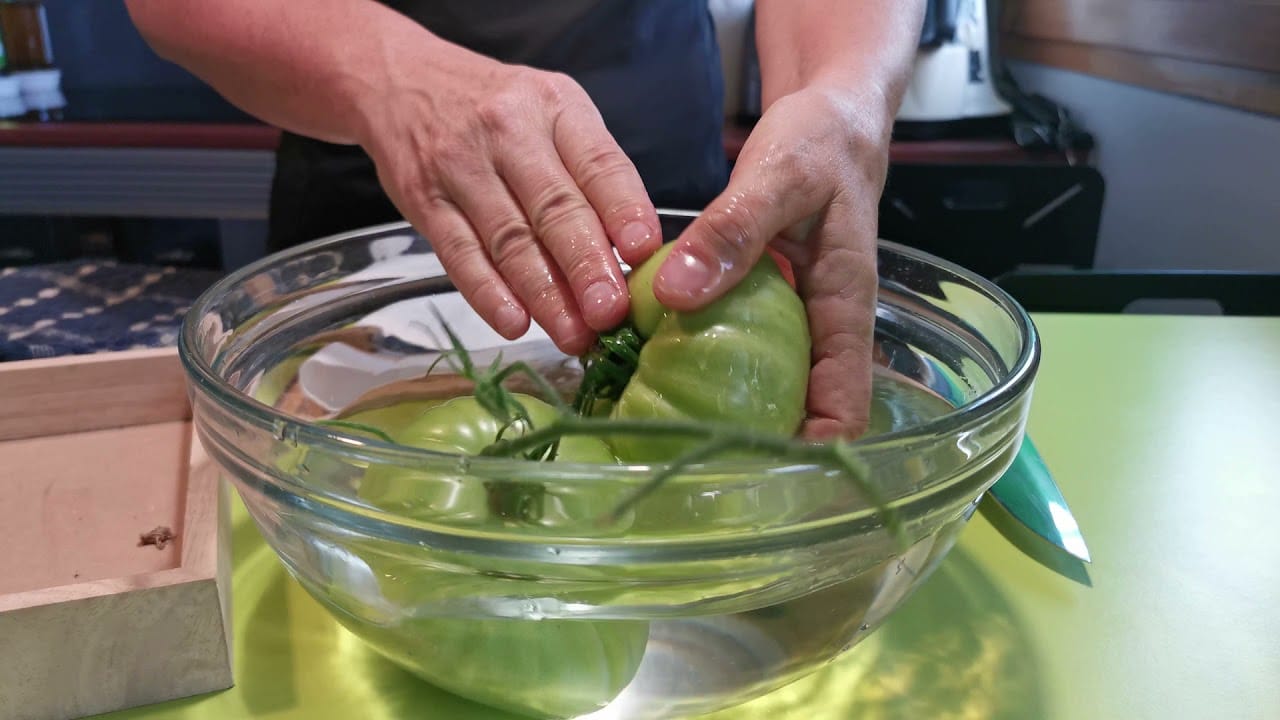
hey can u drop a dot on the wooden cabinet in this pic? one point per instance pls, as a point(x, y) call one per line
point(1223, 51)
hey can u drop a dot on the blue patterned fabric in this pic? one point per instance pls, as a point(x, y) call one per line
point(89, 306)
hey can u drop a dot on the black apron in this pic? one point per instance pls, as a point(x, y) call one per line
point(651, 66)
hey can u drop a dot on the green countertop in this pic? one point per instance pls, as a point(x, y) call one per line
point(1164, 434)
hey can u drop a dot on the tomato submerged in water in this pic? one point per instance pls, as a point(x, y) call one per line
point(550, 668)
point(462, 426)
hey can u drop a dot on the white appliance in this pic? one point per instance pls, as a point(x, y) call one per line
point(953, 78)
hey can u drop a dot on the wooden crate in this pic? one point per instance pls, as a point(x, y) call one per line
point(114, 539)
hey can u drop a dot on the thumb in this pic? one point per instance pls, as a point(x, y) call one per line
point(724, 242)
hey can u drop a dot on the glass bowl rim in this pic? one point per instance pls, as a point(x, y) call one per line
point(1003, 392)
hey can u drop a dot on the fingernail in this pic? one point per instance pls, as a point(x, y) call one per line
point(687, 274)
point(598, 302)
point(599, 294)
point(510, 321)
point(635, 235)
point(603, 306)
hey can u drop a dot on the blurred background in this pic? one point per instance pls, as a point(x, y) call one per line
point(1135, 138)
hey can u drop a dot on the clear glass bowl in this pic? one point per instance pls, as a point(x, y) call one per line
point(734, 579)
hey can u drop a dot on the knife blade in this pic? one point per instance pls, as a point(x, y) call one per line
point(1028, 492)
point(1026, 507)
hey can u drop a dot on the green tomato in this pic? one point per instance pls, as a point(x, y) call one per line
point(387, 420)
point(744, 360)
point(464, 427)
point(393, 418)
point(461, 426)
point(540, 668)
point(549, 668)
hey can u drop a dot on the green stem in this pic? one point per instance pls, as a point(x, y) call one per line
point(719, 439)
point(601, 427)
point(607, 368)
point(702, 452)
point(434, 363)
point(521, 366)
point(361, 427)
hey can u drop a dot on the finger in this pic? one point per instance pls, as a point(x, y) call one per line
point(508, 241)
point(458, 246)
point(609, 181)
point(568, 227)
point(839, 288)
point(769, 192)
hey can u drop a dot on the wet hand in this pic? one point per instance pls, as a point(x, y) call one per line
point(512, 176)
point(807, 183)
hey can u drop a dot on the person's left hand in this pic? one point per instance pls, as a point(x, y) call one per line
point(808, 182)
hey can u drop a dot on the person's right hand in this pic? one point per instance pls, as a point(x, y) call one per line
point(521, 190)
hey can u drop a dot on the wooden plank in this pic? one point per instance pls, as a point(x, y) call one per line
point(91, 392)
point(1237, 34)
point(206, 539)
point(1245, 89)
point(78, 658)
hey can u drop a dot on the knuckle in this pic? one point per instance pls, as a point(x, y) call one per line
point(498, 114)
point(537, 288)
point(459, 254)
point(506, 241)
point(798, 169)
point(553, 87)
point(557, 205)
point(545, 295)
point(584, 264)
point(788, 160)
point(436, 203)
point(600, 163)
point(728, 231)
point(489, 291)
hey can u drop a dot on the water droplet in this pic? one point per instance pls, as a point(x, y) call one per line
point(553, 550)
point(303, 469)
point(278, 428)
point(464, 464)
point(864, 627)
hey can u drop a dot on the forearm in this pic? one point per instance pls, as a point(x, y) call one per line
point(862, 47)
point(315, 67)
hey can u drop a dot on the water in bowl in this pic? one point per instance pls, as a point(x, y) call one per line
point(529, 655)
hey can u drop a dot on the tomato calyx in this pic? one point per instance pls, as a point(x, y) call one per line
point(607, 368)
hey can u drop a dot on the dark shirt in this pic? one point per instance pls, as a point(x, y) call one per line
point(651, 66)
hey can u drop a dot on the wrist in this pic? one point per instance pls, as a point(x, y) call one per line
point(407, 74)
point(859, 54)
